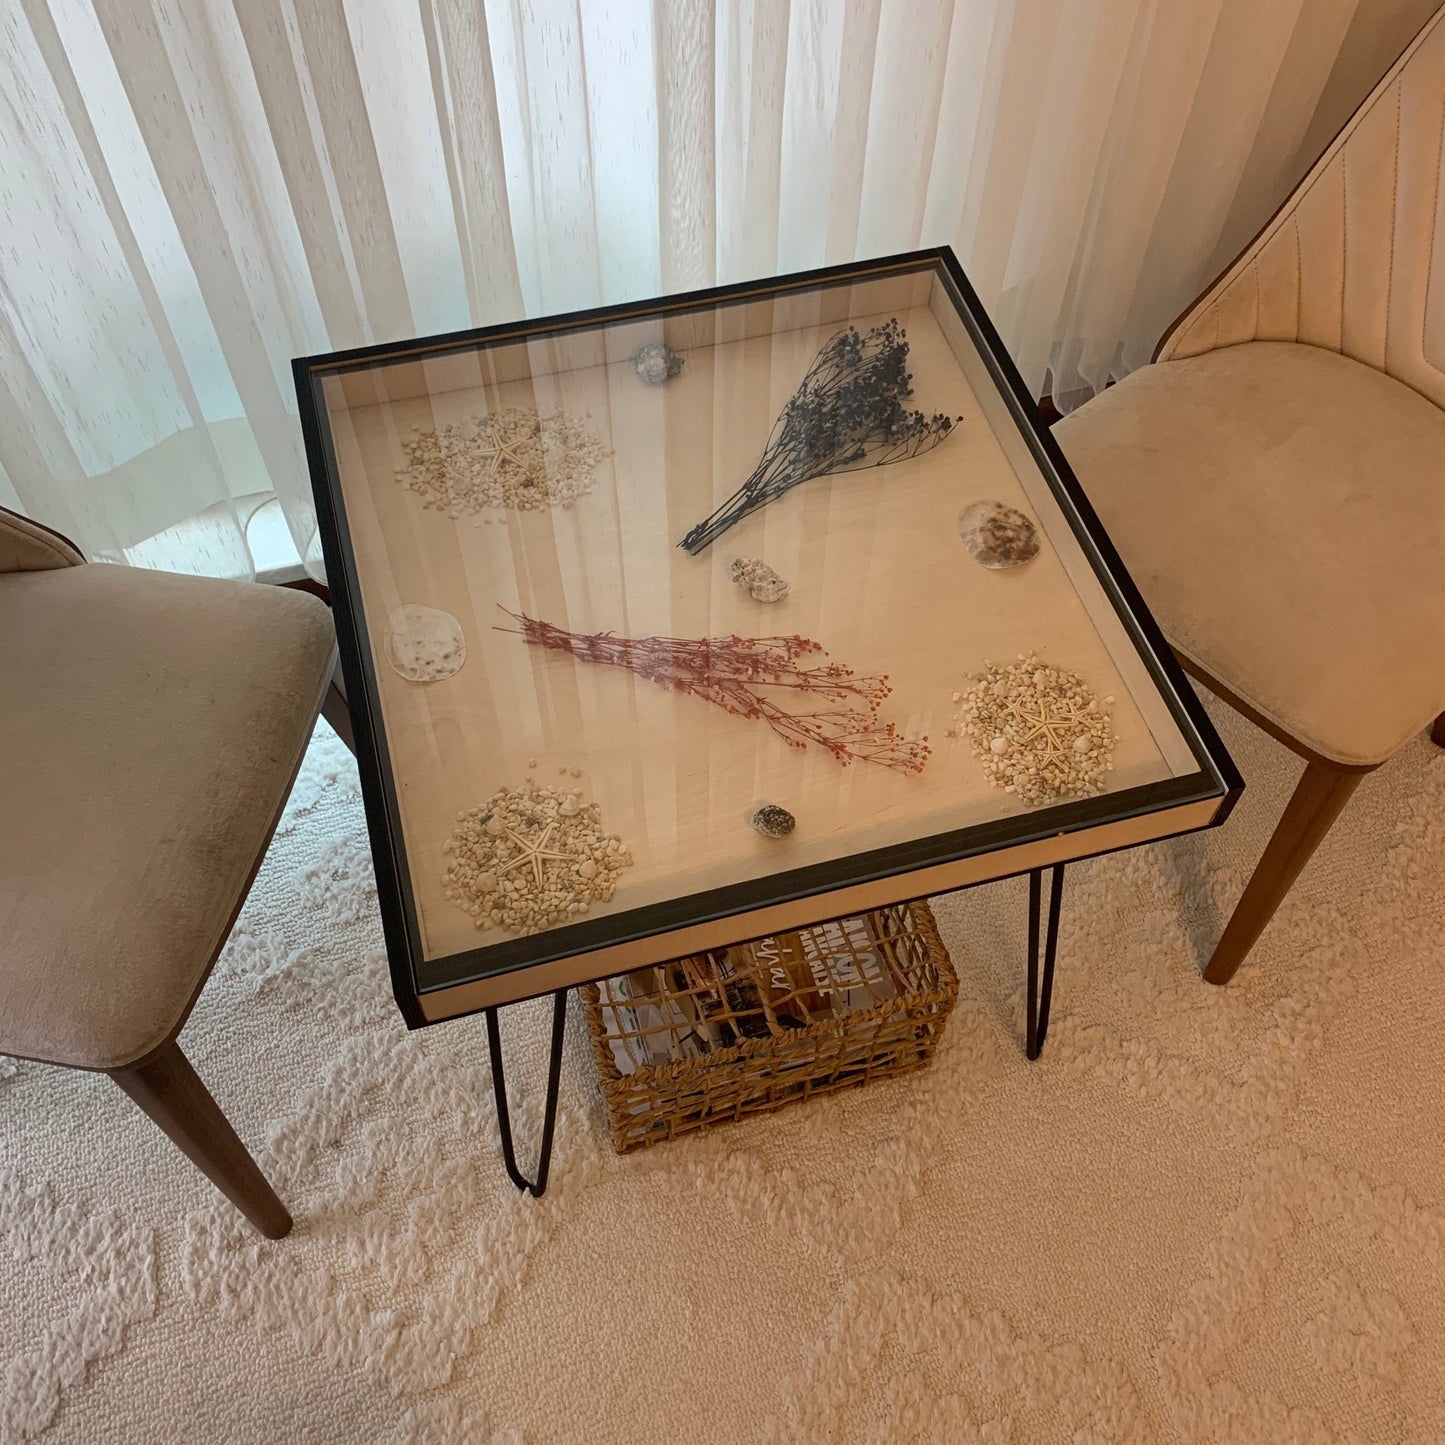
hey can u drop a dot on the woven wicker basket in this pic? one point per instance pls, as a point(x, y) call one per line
point(749, 1029)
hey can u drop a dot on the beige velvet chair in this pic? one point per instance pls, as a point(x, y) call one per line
point(1275, 482)
point(150, 729)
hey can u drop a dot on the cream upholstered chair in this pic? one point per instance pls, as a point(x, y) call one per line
point(150, 729)
point(1275, 482)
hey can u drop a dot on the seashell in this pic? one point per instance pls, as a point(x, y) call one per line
point(763, 584)
point(423, 644)
point(997, 535)
point(657, 363)
point(772, 821)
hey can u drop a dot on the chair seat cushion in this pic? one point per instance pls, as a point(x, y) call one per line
point(150, 727)
point(1282, 508)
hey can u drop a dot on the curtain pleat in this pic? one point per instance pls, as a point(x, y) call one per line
point(902, 140)
point(752, 66)
point(134, 273)
point(686, 115)
point(200, 163)
point(198, 190)
point(620, 65)
point(304, 166)
point(463, 91)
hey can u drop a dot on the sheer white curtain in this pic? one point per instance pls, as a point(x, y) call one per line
point(194, 191)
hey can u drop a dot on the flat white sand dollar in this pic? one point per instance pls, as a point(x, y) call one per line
point(997, 535)
point(424, 644)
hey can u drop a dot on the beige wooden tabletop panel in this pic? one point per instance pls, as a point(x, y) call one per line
point(878, 576)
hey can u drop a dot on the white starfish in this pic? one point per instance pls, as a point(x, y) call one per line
point(534, 853)
point(1047, 723)
point(495, 452)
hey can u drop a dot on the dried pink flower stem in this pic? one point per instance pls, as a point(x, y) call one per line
point(732, 673)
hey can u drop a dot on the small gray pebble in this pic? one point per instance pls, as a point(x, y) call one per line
point(657, 363)
point(772, 821)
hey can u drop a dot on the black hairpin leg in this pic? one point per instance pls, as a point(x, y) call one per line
point(1037, 1021)
point(549, 1116)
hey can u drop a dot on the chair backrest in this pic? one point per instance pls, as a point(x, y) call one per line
point(1354, 261)
point(26, 546)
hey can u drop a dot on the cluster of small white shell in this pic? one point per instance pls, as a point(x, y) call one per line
point(1038, 730)
point(511, 458)
point(500, 850)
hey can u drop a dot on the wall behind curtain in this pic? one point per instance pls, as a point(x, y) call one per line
point(195, 191)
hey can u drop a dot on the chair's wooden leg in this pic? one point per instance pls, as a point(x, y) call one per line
point(1437, 733)
point(335, 710)
point(171, 1092)
point(1316, 803)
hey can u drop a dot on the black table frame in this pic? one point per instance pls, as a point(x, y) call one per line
point(577, 939)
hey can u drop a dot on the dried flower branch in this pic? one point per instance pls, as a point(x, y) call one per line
point(848, 413)
point(736, 673)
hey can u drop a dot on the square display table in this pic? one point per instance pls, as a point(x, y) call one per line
point(576, 798)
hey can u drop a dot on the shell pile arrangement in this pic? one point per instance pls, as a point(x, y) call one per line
point(1038, 730)
point(511, 458)
point(531, 857)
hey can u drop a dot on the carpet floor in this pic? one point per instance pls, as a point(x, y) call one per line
point(1204, 1216)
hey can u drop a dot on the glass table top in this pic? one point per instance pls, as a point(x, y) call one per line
point(666, 625)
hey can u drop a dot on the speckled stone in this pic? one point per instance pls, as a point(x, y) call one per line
point(772, 821)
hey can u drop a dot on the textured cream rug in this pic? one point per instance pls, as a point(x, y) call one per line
point(1204, 1215)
